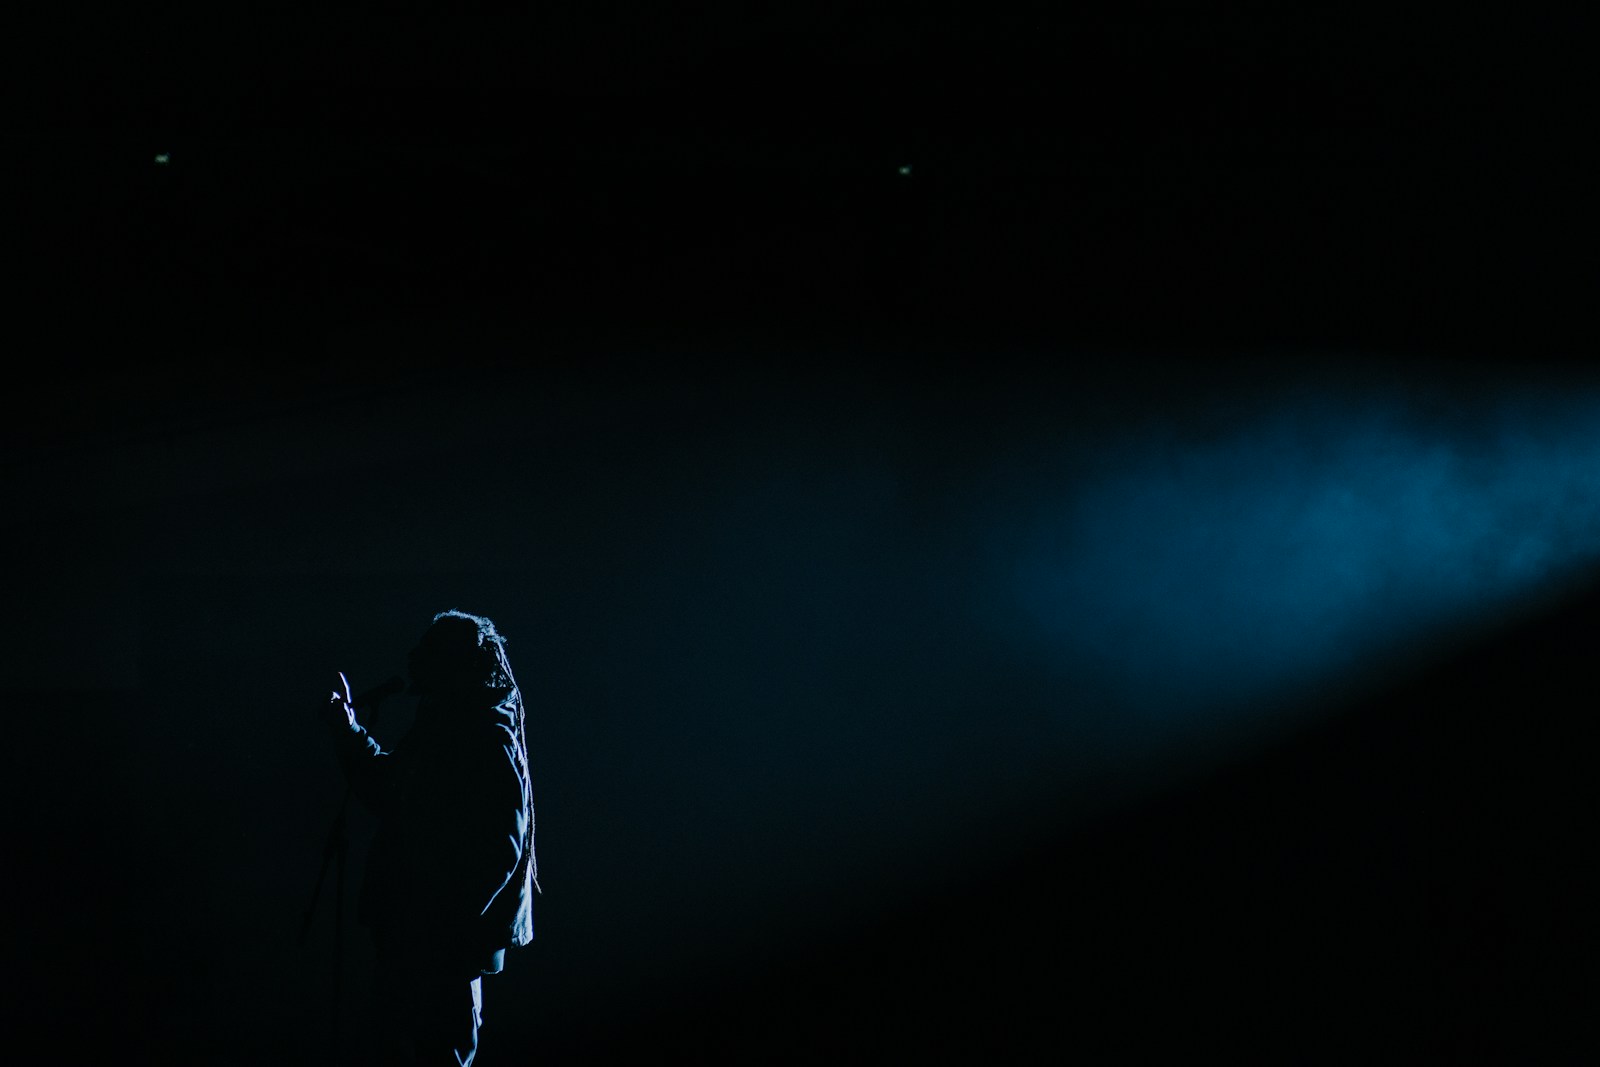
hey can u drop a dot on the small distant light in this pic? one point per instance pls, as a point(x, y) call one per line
point(163, 158)
point(905, 171)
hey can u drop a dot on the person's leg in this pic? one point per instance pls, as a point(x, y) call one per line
point(445, 1014)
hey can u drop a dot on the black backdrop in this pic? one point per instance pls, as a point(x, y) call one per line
point(680, 344)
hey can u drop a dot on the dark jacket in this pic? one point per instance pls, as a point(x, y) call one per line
point(450, 878)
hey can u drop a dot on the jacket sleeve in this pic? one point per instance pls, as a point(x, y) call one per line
point(369, 768)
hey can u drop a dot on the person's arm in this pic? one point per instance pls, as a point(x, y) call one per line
point(366, 765)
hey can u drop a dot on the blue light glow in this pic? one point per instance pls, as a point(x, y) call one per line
point(1194, 574)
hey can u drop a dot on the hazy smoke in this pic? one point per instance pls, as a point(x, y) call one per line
point(1318, 534)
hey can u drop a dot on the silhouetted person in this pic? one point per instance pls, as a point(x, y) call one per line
point(451, 875)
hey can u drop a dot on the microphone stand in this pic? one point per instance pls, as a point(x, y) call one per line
point(333, 854)
point(334, 851)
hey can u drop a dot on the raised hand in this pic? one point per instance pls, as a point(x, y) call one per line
point(339, 700)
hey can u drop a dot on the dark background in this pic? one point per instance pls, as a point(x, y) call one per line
point(628, 329)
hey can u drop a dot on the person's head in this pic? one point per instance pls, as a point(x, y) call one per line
point(459, 652)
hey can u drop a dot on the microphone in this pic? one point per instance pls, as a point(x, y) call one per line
point(371, 697)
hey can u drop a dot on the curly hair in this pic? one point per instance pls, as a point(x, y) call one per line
point(461, 631)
